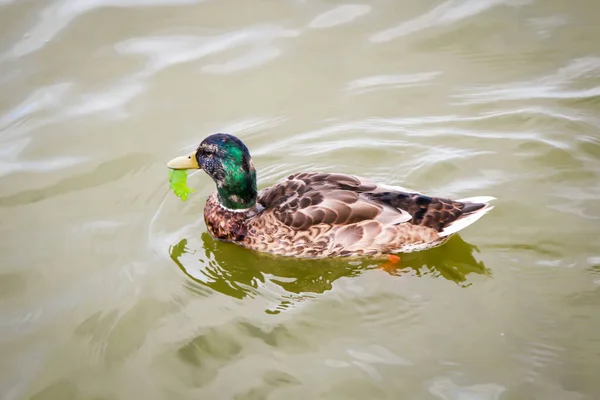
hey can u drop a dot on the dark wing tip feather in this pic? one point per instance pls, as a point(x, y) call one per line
point(472, 207)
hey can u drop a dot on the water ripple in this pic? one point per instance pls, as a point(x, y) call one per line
point(544, 27)
point(552, 86)
point(445, 14)
point(56, 17)
point(379, 82)
point(166, 51)
point(255, 57)
point(43, 98)
point(339, 16)
point(446, 389)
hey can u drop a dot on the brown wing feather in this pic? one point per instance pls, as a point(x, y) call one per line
point(310, 198)
point(306, 199)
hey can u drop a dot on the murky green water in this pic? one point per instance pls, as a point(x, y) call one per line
point(110, 287)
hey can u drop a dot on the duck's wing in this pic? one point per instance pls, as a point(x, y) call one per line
point(310, 198)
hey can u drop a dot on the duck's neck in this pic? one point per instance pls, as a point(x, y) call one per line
point(237, 190)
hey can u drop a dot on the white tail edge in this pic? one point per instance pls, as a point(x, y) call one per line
point(477, 199)
point(463, 222)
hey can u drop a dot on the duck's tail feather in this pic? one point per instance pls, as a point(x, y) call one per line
point(480, 206)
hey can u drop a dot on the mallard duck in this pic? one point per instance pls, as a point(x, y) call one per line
point(317, 214)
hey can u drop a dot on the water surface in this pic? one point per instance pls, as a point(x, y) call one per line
point(110, 287)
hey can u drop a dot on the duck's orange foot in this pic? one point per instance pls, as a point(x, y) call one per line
point(392, 264)
point(394, 259)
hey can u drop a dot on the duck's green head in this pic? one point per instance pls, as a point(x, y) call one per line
point(226, 159)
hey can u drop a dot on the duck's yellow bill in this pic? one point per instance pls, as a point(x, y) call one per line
point(184, 162)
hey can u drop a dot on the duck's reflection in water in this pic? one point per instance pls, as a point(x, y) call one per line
point(237, 272)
